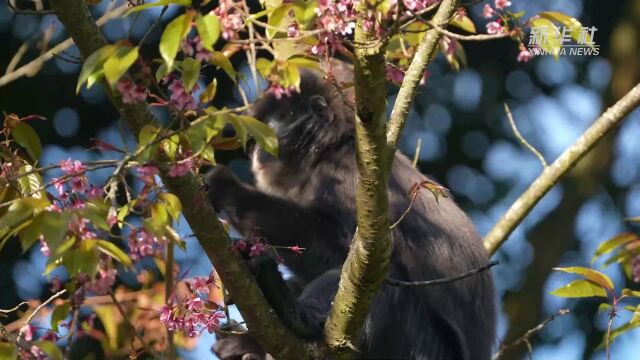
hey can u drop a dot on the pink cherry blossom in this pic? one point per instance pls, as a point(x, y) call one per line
point(181, 168)
point(257, 249)
point(524, 55)
point(494, 27)
point(195, 304)
point(394, 74)
point(487, 11)
point(180, 98)
point(131, 92)
point(501, 4)
point(101, 285)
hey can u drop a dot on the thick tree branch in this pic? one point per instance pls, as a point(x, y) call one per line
point(368, 259)
point(424, 55)
point(551, 174)
point(261, 321)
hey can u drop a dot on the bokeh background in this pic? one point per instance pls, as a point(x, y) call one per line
point(467, 144)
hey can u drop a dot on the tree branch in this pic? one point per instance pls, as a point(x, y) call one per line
point(427, 283)
point(552, 174)
point(262, 322)
point(424, 55)
point(525, 338)
point(366, 266)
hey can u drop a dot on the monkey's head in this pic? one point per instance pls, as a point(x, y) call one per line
point(309, 124)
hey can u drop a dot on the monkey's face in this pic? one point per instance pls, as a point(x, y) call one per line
point(308, 125)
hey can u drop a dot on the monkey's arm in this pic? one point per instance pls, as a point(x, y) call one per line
point(281, 222)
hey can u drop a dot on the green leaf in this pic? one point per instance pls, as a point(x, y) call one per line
point(573, 25)
point(264, 66)
point(162, 71)
point(304, 11)
point(580, 289)
point(633, 219)
point(118, 63)
point(464, 23)
point(51, 224)
point(51, 349)
point(173, 35)
point(551, 39)
point(304, 61)
point(209, 92)
point(107, 314)
point(276, 20)
point(92, 68)
point(8, 351)
point(209, 30)
point(115, 252)
point(590, 274)
point(26, 137)
point(170, 146)
point(18, 213)
point(156, 4)
point(96, 213)
point(190, 72)
point(59, 314)
point(261, 132)
point(604, 307)
point(174, 207)
point(31, 184)
point(220, 60)
point(84, 259)
point(632, 293)
point(203, 131)
point(613, 243)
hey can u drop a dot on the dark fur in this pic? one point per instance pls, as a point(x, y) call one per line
point(306, 197)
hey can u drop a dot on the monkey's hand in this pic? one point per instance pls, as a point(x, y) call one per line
point(221, 185)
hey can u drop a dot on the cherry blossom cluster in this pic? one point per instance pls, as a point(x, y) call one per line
point(143, 243)
point(497, 27)
point(192, 315)
point(180, 98)
point(194, 47)
point(337, 18)
point(230, 14)
point(131, 92)
point(635, 269)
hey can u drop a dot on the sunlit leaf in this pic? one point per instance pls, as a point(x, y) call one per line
point(173, 35)
point(580, 289)
point(8, 351)
point(464, 23)
point(170, 146)
point(118, 63)
point(632, 293)
point(110, 321)
point(209, 30)
point(115, 252)
point(51, 225)
point(304, 61)
point(190, 72)
point(574, 26)
point(590, 274)
point(209, 92)
point(92, 67)
point(172, 203)
point(51, 349)
point(220, 60)
point(261, 132)
point(18, 213)
point(613, 243)
point(551, 40)
point(604, 307)
point(617, 332)
point(26, 137)
point(264, 66)
point(31, 184)
point(276, 20)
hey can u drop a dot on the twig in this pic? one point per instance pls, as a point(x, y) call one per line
point(521, 138)
point(394, 282)
point(416, 156)
point(34, 66)
point(552, 174)
point(525, 338)
point(168, 288)
point(40, 307)
point(423, 56)
point(155, 23)
point(478, 37)
point(8, 311)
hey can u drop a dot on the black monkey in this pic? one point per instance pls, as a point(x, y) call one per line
point(306, 197)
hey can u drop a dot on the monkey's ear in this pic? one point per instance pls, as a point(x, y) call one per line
point(319, 107)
